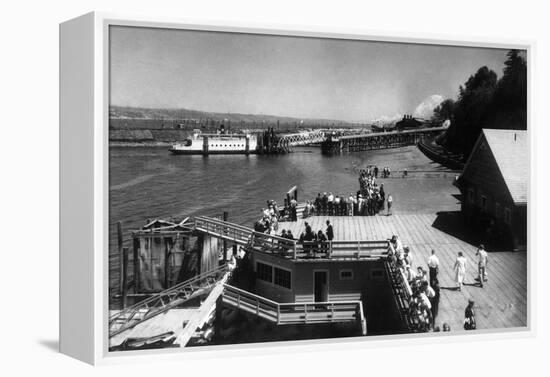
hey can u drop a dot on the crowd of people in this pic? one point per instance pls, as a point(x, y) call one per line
point(368, 201)
point(271, 215)
point(371, 197)
point(424, 301)
point(424, 284)
point(313, 242)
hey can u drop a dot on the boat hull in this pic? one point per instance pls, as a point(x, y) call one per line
point(200, 152)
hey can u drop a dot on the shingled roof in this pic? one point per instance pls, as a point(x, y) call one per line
point(511, 152)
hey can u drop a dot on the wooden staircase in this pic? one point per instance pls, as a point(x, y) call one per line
point(244, 236)
point(294, 313)
point(165, 300)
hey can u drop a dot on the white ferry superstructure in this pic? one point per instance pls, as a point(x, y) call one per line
point(220, 143)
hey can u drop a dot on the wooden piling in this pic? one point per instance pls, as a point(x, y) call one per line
point(225, 217)
point(166, 263)
point(120, 252)
point(136, 265)
point(124, 263)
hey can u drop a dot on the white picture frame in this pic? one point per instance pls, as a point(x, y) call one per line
point(84, 104)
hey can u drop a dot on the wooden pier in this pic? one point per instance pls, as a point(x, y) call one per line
point(378, 140)
point(501, 303)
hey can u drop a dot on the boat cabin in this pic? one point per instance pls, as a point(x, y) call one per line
point(287, 280)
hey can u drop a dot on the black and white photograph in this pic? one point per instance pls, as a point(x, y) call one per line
point(278, 188)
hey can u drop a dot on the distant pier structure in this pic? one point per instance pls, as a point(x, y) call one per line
point(380, 140)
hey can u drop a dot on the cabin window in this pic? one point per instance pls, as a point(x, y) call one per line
point(377, 274)
point(346, 274)
point(264, 272)
point(507, 216)
point(282, 277)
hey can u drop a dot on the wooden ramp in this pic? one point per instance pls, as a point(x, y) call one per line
point(164, 301)
point(182, 322)
point(501, 303)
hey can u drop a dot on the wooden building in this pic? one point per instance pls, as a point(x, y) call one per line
point(167, 253)
point(494, 185)
point(408, 123)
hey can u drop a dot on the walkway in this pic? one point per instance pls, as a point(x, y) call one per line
point(502, 303)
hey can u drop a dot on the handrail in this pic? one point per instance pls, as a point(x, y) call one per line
point(250, 294)
point(277, 312)
point(269, 237)
point(223, 223)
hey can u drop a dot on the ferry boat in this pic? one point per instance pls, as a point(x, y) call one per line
point(219, 143)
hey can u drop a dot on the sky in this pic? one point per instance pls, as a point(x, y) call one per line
point(285, 76)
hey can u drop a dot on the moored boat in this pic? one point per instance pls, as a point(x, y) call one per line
point(219, 143)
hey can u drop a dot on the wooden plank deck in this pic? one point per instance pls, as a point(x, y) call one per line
point(501, 303)
point(172, 320)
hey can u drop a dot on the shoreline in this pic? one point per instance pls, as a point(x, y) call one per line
point(155, 144)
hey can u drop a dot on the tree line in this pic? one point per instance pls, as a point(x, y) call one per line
point(485, 101)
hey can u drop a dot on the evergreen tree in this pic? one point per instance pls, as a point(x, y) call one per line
point(485, 102)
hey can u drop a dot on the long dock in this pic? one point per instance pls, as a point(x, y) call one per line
point(501, 303)
point(379, 140)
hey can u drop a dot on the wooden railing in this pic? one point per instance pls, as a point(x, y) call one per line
point(290, 248)
point(401, 289)
point(294, 313)
point(223, 229)
point(308, 250)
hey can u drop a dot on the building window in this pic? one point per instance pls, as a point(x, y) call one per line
point(264, 272)
point(497, 210)
point(282, 278)
point(471, 195)
point(346, 274)
point(507, 216)
point(483, 202)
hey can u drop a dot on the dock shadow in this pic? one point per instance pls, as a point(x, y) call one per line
point(452, 223)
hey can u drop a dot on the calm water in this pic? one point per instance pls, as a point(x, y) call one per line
point(151, 183)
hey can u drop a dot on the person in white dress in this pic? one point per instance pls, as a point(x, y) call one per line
point(390, 203)
point(460, 269)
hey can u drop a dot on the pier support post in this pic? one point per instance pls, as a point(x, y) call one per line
point(120, 252)
point(205, 145)
point(124, 276)
point(166, 264)
point(225, 217)
point(136, 265)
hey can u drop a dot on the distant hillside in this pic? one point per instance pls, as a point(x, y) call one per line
point(185, 115)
